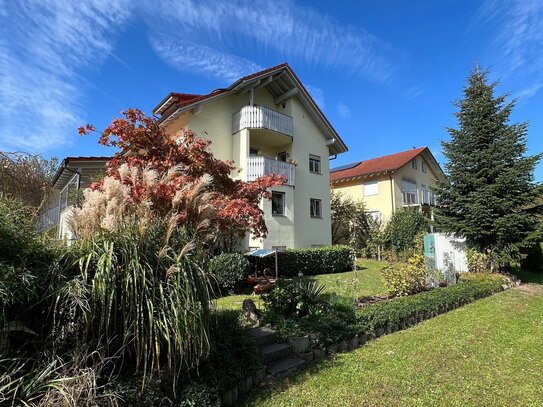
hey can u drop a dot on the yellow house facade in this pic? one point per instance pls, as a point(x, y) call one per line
point(387, 183)
point(268, 123)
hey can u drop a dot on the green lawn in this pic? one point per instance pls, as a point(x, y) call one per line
point(488, 353)
point(363, 282)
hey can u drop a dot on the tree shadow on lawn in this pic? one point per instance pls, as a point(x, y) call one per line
point(528, 277)
point(264, 393)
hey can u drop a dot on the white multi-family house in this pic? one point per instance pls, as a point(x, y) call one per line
point(268, 123)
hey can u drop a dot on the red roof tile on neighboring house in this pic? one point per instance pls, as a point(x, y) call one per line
point(377, 165)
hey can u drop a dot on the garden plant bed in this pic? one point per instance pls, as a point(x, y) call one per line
point(491, 346)
point(387, 316)
point(365, 281)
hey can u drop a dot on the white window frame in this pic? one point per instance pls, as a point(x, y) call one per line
point(423, 167)
point(282, 194)
point(410, 193)
point(315, 164)
point(376, 215)
point(371, 192)
point(315, 204)
point(414, 163)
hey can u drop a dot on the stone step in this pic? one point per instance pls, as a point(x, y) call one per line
point(262, 336)
point(286, 367)
point(275, 351)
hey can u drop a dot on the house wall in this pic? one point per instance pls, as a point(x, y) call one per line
point(308, 139)
point(381, 202)
point(297, 228)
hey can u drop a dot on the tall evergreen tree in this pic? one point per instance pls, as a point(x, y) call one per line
point(490, 177)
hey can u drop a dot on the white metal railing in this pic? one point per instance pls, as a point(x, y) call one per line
point(259, 117)
point(260, 166)
point(418, 196)
point(48, 218)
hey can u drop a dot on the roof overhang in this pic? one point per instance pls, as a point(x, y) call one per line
point(68, 168)
point(362, 177)
point(280, 81)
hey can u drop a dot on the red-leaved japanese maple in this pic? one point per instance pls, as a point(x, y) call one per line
point(177, 162)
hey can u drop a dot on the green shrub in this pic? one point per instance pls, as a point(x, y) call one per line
point(415, 307)
point(405, 279)
point(230, 269)
point(313, 261)
point(403, 228)
point(477, 261)
point(288, 298)
point(197, 395)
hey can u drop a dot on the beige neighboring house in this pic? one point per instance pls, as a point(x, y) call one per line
point(268, 123)
point(390, 182)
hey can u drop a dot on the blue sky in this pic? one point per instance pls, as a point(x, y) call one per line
point(384, 72)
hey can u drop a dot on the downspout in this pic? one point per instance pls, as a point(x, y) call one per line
point(392, 194)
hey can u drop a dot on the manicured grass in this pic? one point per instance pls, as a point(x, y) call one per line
point(353, 284)
point(486, 353)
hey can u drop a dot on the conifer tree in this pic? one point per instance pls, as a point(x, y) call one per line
point(490, 176)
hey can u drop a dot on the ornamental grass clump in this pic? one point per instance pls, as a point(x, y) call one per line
point(146, 233)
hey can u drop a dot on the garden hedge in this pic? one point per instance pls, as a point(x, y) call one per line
point(320, 260)
point(405, 311)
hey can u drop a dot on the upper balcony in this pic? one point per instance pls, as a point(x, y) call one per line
point(259, 117)
point(260, 166)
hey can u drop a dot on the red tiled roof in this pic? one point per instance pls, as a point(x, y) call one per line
point(377, 165)
point(184, 99)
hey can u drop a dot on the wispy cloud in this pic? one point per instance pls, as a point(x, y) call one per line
point(317, 94)
point(344, 111)
point(44, 49)
point(191, 57)
point(519, 38)
point(290, 30)
point(519, 31)
point(529, 91)
point(415, 91)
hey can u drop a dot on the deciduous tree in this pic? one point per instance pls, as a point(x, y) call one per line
point(156, 169)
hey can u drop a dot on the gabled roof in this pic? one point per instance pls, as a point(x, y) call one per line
point(384, 164)
point(279, 80)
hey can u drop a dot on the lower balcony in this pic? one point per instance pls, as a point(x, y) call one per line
point(260, 166)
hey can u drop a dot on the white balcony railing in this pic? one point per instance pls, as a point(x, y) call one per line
point(418, 197)
point(260, 166)
point(258, 117)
